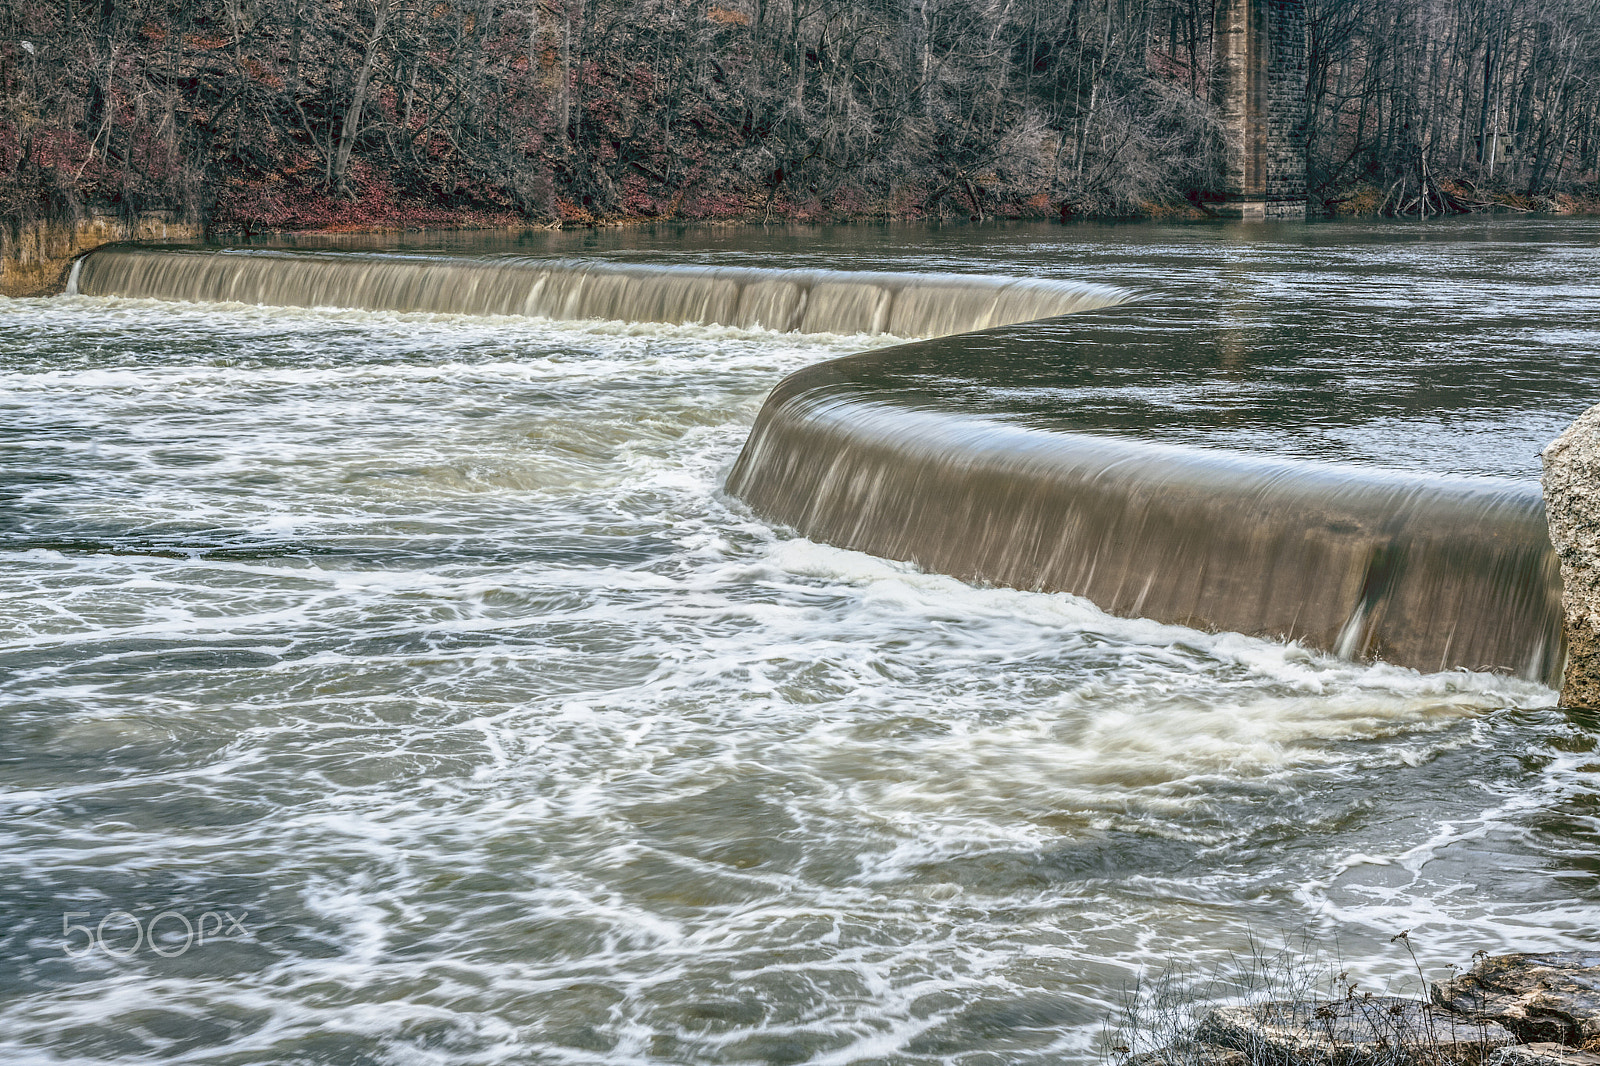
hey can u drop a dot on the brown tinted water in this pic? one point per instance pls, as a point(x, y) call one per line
point(1416, 572)
point(431, 645)
point(801, 301)
point(961, 455)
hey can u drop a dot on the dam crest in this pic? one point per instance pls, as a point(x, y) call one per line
point(872, 452)
point(801, 301)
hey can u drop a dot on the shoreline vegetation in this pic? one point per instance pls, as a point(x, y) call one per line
point(334, 218)
point(257, 116)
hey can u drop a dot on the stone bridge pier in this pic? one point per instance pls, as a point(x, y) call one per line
point(1258, 87)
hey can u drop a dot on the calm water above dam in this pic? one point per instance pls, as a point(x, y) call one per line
point(429, 647)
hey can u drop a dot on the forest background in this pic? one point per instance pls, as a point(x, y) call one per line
point(252, 115)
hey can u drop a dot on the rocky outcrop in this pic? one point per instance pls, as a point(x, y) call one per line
point(1508, 1010)
point(1543, 998)
point(1370, 1031)
point(1543, 1054)
point(1572, 506)
point(35, 256)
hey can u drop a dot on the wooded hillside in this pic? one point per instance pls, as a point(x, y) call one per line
point(285, 113)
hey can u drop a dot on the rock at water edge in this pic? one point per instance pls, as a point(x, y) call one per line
point(1545, 1054)
point(1386, 1030)
point(1572, 506)
point(1550, 997)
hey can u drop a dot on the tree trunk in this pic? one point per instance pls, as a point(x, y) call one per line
point(358, 98)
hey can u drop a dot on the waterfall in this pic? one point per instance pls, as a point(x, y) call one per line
point(1431, 573)
point(1427, 572)
point(805, 301)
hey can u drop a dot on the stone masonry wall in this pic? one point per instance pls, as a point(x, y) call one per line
point(1231, 95)
point(1286, 103)
point(1258, 88)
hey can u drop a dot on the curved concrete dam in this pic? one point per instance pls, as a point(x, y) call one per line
point(806, 301)
point(966, 453)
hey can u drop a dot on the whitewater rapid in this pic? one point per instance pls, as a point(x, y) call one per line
point(433, 645)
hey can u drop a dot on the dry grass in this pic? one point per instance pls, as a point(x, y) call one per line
point(1300, 1008)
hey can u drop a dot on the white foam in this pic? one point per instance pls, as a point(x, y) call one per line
point(435, 645)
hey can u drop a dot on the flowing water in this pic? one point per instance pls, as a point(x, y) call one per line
point(421, 663)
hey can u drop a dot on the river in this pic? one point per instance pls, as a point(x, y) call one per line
point(420, 662)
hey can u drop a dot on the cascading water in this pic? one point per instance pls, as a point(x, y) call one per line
point(1427, 572)
point(430, 647)
point(1420, 572)
point(804, 301)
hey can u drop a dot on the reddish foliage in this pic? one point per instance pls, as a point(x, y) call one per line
point(578, 113)
point(286, 204)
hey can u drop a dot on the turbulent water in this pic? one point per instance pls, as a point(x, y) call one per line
point(420, 662)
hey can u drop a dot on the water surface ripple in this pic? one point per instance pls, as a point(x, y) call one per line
point(431, 646)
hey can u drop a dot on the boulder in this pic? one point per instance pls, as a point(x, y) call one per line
point(1371, 1031)
point(1552, 997)
point(1543, 1055)
point(1572, 507)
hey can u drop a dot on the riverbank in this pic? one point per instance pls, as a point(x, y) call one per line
point(35, 256)
point(278, 211)
point(1369, 200)
point(1520, 1009)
